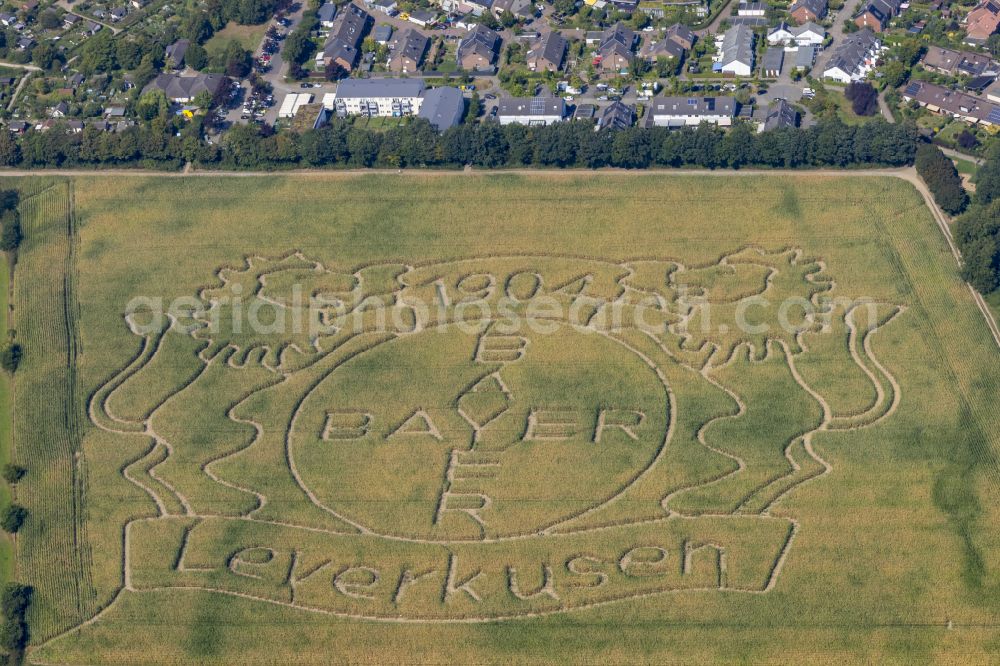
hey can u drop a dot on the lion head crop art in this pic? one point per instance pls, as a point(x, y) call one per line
point(488, 438)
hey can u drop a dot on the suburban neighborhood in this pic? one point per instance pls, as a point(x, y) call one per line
point(289, 66)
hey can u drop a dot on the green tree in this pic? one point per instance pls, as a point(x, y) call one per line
point(13, 473)
point(10, 356)
point(12, 518)
point(10, 237)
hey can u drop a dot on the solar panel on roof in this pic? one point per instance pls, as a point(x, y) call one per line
point(994, 116)
point(912, 89)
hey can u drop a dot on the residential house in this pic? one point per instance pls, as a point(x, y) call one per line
point(616, 116)
point(76, 81)
point(523, 9)
point(876, 14)
point(736, 51)
point(443, 107)
point(547, 54)
point(117, 14)
point(387, 7)
point(9, 19)
point(406, 51)
point(382, 34)
point(960, 105)
point(955, 63)
point(69, 20)
point(343, 45)
point(982, 22)
point(803, 11)
point(681, 35)
point(59, 110)
point(18, 126)
point(771, 64)
point(779, 114)
point(184, 89)
point(423, 18)
point(752, 9)
point(176, 52)
point(685, 111)
point(807, 34)
point(379, 97)
point(93, 28)
point(74, 126)
point(854, 58)
point(531, 110)
point(615, 49)
point(655, 47)
point(25, 43)
point(114, 112)
point(479, 49)
point(326, 14)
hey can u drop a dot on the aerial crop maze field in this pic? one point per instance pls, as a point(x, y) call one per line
point(500, 417)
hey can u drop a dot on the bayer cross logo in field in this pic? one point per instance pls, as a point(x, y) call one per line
point(485, 445)
point(489, 438)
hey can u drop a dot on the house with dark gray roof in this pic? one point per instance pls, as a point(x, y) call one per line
point(616, 116)
point(478, 49)
point(803, 11)
point(615, 49)
point(779, 114)
point(656, 46)
point(442, 107)
point(681, 35)
point(854, 58)
point(547, 54)
point(876, 14)
point(531, 110)
point(176, 52)
point(406, 51)
point(326, 14)
point(184, 89)
point(736, 51)
point(343, 46)
point(686, 111)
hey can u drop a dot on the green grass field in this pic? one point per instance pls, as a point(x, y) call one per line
point(6, 546)
point(539, 418)
point(248, 36)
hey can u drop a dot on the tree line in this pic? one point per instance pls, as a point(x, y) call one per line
point(830, 143)
point(167, 143)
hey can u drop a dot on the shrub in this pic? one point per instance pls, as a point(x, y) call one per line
point(13, 473)
point(10, 356)
point(12, 518)
point(10, 237)
point(942, 179)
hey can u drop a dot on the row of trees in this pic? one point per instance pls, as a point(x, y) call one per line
point(977, 232)
point(830, 143)
point(942, 179)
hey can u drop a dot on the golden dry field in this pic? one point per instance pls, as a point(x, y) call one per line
point(501, 418)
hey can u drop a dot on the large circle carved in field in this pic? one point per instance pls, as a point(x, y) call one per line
point(452, 434)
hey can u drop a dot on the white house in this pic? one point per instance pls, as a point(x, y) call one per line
point(854, 58)
point(736, 51)
point(379, 97)
point(531, 110)
point(807, 34)
point(683, 111)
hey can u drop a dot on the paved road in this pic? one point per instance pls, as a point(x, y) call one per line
point(713, 27)
point(884, 108)
point(837, 32)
